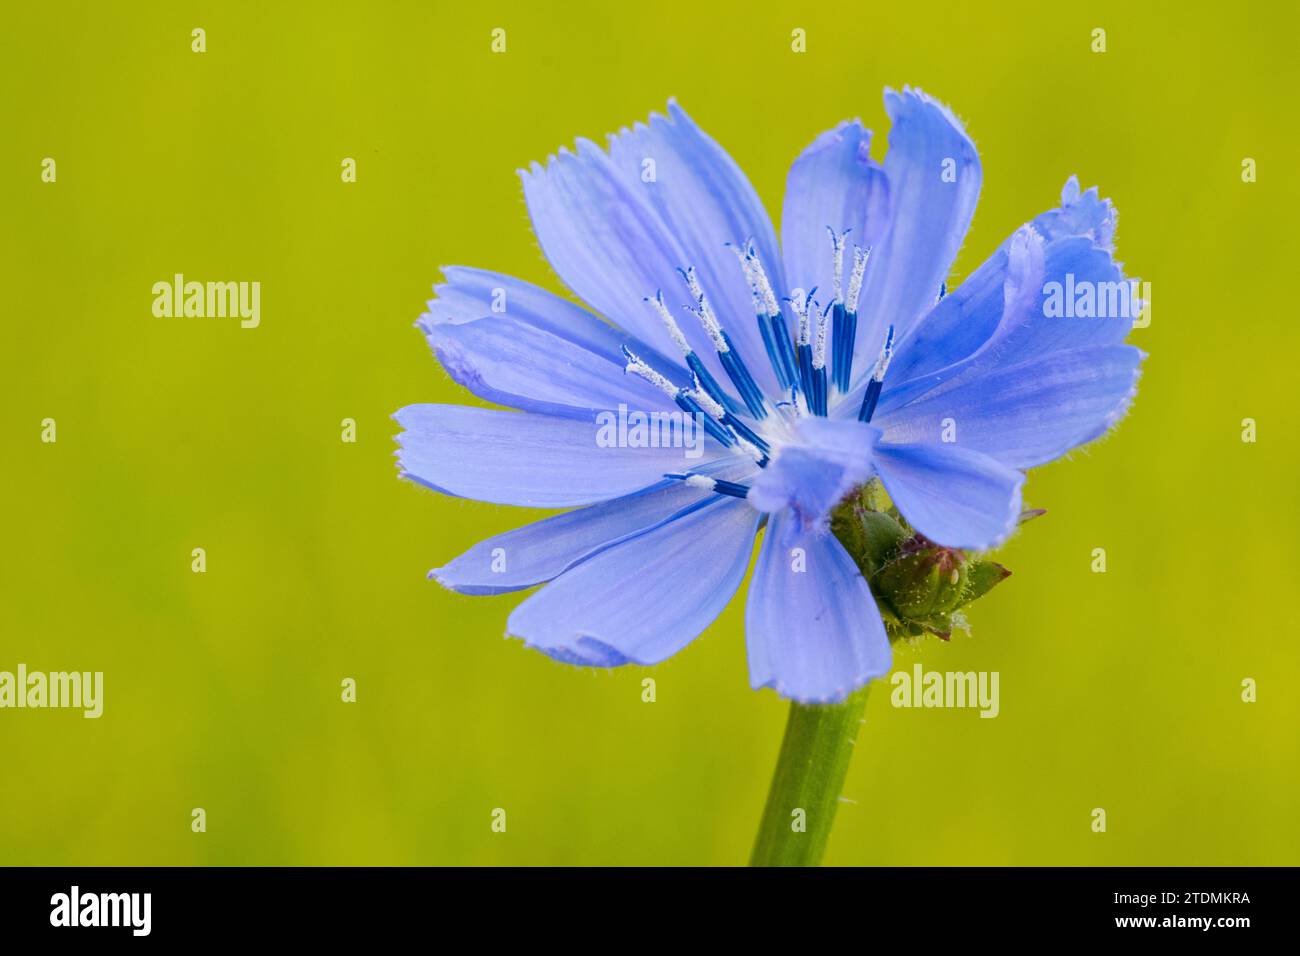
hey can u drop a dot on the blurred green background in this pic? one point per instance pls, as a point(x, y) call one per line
point(1119, 690)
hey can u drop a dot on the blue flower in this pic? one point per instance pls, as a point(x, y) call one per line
point(814, 365)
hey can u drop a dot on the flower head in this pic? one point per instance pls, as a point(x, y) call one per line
point(735, 382)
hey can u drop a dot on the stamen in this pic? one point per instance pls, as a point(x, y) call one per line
point(819, 390)
point(800, 309)
point(759, 454)
point(886, 356)
point(860, 257)
point(840, 344)
point(704, 312)
point(874, 386)
point(689, 405)
point(786, 362)
point(731, 488)
point(819, 344)
point(641, 369)
point(846, 325)
point(731, 361)
point(707, 402)
point(750, 393)
point(685, 401)
point(837, 301)
point(837, 256)
point(761, 316)
point(761, 281)
point(803, 346)
point(751, 280)
point(692, 360)
point(745, 435)
point(781, 349)
point(674, 330)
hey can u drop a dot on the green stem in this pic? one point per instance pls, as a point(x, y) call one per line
point(809, 775)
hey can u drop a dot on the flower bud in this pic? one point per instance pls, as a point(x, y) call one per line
point(920, 587)
point(873, 538)
point(925, 582)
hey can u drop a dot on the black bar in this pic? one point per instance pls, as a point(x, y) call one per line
point(232, 905)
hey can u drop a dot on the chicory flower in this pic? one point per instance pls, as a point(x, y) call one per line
point(814, 366)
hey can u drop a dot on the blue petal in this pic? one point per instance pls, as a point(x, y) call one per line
point(1080, 214)
point(954, 496)
point(510, 362)
point(1031, 330)
point(645, 599)
point(610, 246)
point(834, 183)
point(814, 470)
point(934, 183)
point(812, 627)
point(543, 550)
point(1078, 240)
point(966, 318)
point(515, 458)
point(703, 199)
point(471, 294)
point(1027, 414)
point(998, 317)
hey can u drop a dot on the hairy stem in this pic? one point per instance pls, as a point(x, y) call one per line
point(806, 786)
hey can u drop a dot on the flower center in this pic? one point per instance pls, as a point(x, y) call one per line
point(800, 364)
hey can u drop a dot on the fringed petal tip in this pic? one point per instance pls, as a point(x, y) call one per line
point(586, 651)
point(448, 582)
point(899, 105)
point(836, 696)
point(1122, 408)
point(1083, 212)
point(813, 632)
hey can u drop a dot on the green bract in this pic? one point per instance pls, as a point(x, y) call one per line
point(920, 586)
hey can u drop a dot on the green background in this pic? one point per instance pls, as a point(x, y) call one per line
point(1119, 690)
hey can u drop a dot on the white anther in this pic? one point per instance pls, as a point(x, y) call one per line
point(860, 257)
point(837, 253)
point(749, 447)
point(674, 330)
point(751, 280)
point(701, 481)
point(886, 355)
point(707, 401)
point(704, 312)
point(639, 368)
point(819, 347)
point(799, 305)
point(760, 278)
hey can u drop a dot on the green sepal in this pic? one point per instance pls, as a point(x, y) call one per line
point(982, 577)
point(872, 538)
point(921, 584)
point(920, 587)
